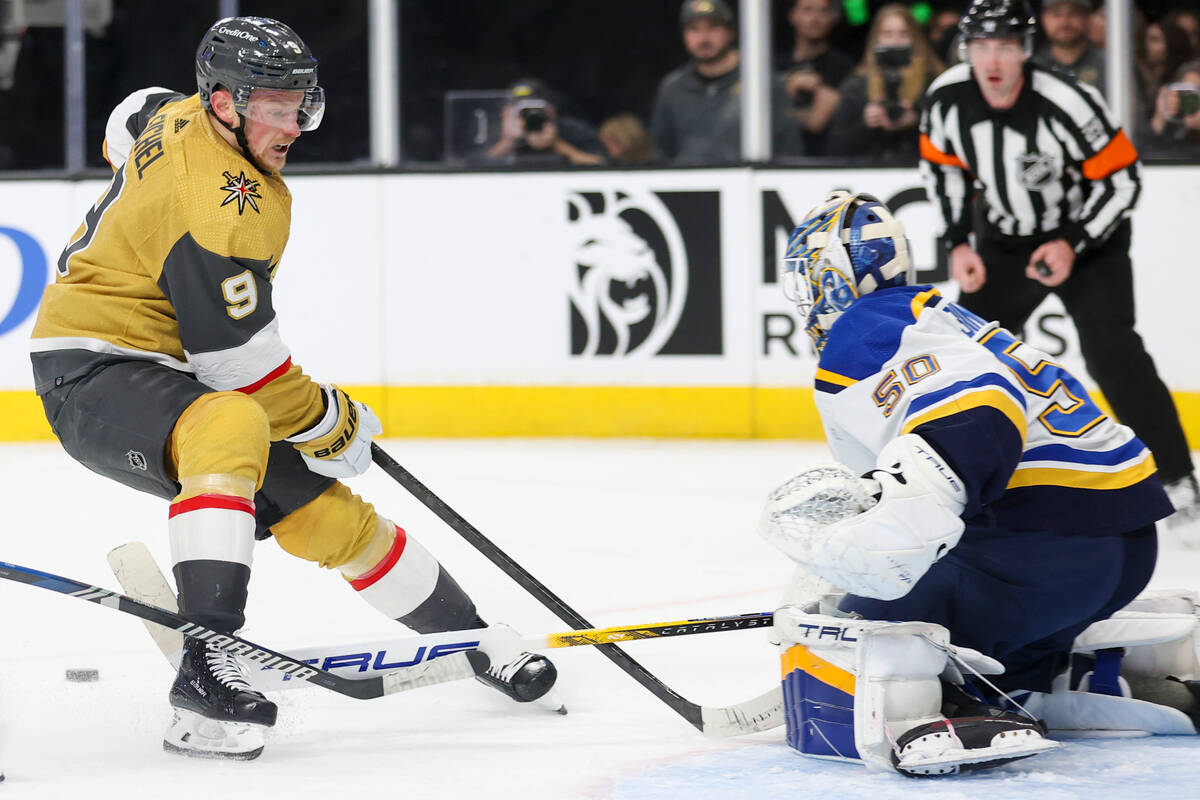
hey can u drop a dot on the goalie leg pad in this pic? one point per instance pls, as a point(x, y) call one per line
point(1143, 679)
point(854, 690)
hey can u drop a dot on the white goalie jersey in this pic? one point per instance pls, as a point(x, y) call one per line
point(1032, 448)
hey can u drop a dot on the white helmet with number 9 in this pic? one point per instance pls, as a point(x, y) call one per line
point(848, 246)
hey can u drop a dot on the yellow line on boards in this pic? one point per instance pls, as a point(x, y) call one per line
point(719, 412)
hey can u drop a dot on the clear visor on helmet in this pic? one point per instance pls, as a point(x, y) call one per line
point(285, 108)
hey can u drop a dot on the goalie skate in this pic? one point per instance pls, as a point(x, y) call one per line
point(217, 714)
point(963, 744)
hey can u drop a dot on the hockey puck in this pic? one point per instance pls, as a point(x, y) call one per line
point(83, 675)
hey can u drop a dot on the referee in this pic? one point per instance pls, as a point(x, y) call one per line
point(1031, 163)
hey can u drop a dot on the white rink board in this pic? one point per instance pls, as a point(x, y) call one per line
point(470, 279)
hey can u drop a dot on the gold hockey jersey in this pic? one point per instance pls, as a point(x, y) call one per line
point(174, 264)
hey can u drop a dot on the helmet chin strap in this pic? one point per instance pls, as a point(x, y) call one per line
point(239, 133)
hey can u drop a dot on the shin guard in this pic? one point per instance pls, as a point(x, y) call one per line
point(409, 585)
point(212, 547)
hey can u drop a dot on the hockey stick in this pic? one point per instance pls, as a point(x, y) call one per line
point(757, 714)
point(449, 668)
point(140, 577)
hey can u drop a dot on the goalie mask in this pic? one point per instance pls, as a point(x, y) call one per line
point(847, 247)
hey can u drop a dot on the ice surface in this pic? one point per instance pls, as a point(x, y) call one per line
point(623, 531)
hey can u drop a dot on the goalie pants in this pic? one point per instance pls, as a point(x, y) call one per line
point(1099, 298)
point(1023, 597)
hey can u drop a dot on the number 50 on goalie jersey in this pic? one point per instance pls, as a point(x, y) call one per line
point(1033, 448)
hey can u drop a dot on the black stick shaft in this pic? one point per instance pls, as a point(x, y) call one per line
point(681, 705)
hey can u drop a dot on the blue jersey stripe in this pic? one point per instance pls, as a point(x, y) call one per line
point(940, 395)
point(1067, 454)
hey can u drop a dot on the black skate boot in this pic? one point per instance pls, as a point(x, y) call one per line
point(974, 734)
point(217, 714)
point(526, 678)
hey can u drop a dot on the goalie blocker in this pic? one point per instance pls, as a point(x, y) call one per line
point(871, 692)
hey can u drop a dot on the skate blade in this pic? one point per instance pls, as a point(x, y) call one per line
point(952, 761)
point(196, 736)
point(551, 702)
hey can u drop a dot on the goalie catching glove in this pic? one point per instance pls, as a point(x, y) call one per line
point(873, 536)
point(339, 444)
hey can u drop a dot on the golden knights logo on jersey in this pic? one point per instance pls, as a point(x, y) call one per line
point(241, 189)
point(645, 273)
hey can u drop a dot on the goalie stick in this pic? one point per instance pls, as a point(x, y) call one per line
point(756, 714)
point(140, 577)
point(453, 667)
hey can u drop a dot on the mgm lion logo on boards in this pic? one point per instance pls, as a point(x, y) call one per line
point(645, 273)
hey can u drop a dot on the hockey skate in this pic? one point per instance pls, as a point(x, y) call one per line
point(973, 735)
point(217, 714)
point(526, 678)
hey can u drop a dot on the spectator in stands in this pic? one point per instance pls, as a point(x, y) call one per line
point(813, 70)
point(942, 32)
point(535, 133)
point(1189, 20)
point(1067, 49)
point(626, 139)
point(1160, 51)
point(1174, 129)
point(697, 111)
point(877, 116)
point(1098, 28)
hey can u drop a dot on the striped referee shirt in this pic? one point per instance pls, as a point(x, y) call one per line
point(1054, 165)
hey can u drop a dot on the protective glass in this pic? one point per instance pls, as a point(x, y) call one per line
point(280, 108)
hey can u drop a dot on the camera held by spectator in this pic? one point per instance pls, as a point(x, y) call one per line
point(1174, 129)
point(535, 132)
point(892, 61)
point(533, 116)
point(1188, 99)
point(877, 116)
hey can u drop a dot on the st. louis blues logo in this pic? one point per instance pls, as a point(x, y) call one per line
point(242, 190)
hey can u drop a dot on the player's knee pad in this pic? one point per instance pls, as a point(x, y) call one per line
point(871, 692)
point(221, 433)
point(1131, 672)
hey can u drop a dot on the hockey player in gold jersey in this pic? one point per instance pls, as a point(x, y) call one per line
point(158, 359)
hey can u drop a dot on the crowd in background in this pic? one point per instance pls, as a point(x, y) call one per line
point(632, 83)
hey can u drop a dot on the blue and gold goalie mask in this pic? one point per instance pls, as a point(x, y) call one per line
point(847, 247)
